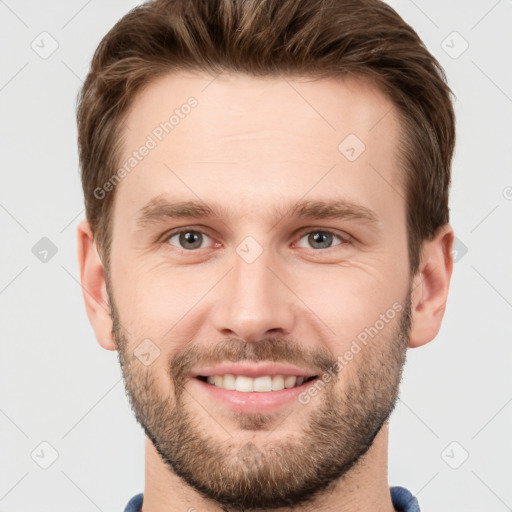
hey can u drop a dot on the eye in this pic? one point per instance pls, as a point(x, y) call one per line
point(191, 239)
point(187, 239)
point(322, 239)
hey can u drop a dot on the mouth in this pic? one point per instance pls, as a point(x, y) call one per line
point(260, 384)
point(252, 388)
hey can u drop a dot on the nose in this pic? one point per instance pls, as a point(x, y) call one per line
point(254, 301)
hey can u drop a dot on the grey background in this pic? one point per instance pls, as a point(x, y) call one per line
point(58, 386)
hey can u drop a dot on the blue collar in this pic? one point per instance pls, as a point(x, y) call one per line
point(402, 499)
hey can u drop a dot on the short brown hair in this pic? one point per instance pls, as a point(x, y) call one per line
point(319, 38)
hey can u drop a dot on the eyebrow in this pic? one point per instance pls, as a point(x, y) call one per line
point(160, 208)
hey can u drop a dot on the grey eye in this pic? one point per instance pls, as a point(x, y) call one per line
point(188, 239)
point(320, 239)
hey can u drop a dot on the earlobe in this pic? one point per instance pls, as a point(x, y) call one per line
point(430, 287)
point(94, 290)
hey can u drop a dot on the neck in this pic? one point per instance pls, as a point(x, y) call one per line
point(364, 488)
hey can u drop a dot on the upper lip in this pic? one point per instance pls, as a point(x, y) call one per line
point(254, 370)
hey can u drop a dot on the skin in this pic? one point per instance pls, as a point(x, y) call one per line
point(250, 145)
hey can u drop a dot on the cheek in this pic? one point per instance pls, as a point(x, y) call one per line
point(345, 300)
point(155, 302)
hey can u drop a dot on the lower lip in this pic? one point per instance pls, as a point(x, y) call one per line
point(252, 401)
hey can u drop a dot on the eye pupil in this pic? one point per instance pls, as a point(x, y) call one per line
point(319, 237)
point(190, 237)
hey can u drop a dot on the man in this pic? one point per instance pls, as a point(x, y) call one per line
point(266, 188)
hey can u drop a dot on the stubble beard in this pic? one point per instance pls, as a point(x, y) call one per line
point(282, 470)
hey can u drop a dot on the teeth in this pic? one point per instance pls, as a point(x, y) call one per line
point(242, 383)
point(289, 382)
point(259, 384)
point(263, 384)
point(277, 383)
point(229, 382)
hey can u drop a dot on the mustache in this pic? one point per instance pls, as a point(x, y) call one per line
point(276, 350)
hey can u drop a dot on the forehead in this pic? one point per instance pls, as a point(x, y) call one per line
point(328, 105)
point(257, 135)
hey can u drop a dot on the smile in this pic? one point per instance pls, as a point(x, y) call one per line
point(262, 384)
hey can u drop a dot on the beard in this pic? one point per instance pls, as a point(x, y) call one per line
point(338, 426)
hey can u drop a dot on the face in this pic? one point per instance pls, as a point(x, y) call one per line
point(259, 281)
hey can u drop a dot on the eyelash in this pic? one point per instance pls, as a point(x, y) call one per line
point(345, 240)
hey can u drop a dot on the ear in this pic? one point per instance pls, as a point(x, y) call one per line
point(94, 288)
point(430, 287)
